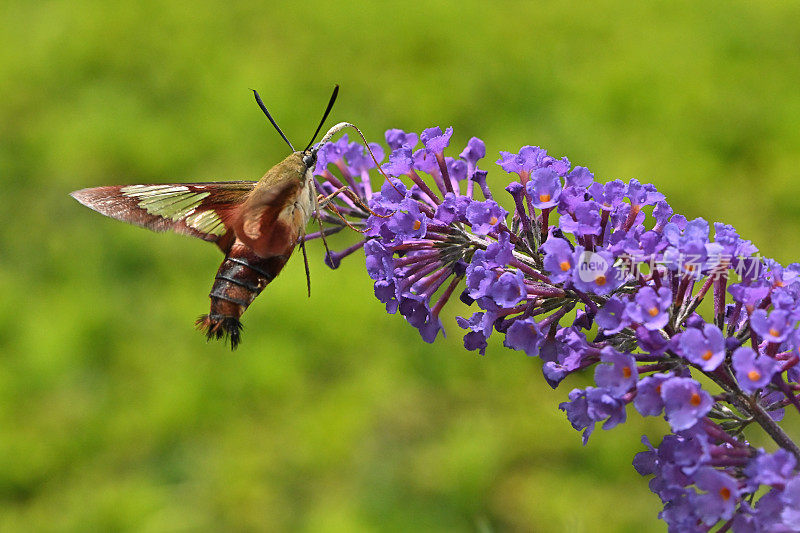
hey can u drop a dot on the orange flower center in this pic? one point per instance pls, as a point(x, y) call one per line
point(707, 355)
point(493, 221)
point(754, 375)
point(417, 224)
point(725, 492)
point(544, 197)
point(653, 311)
point(565, 266)
point(774, 332)
point(695, 399)
point(626, 372)
point(600, 280)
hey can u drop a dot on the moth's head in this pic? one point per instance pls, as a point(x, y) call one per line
point(299, 165)
point(309, 157)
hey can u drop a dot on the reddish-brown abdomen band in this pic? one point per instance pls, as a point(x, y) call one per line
point(241, 277)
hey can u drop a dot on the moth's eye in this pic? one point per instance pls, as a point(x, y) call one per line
point(309, 160)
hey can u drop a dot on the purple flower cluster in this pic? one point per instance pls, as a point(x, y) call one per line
point(587, 274)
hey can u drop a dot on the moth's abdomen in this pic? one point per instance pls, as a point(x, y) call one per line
point(241, 277)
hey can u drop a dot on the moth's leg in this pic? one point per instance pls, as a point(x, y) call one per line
point(317, 215)
point(323, 201)
point(332, 207)
point(305, 262)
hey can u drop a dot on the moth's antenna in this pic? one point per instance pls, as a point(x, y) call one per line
point(264, 109)
point(324, 116)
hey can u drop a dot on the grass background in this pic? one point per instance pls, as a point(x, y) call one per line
point(333, 416)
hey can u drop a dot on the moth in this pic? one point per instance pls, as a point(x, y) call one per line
point(256, 224)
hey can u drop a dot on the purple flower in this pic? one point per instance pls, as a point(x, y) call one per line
point(648, 399)
point(390, 196)
point(649, 308)
point(478, 333)
point(721, 497)
point(772, 400)
point(561, 355)
point(680, 512)
point(595, 272)
point(767, 515)
point(544, 188)
point(612, 317)
point(380, 264)
point(773, 328)
point(386, 292)
point(500, 252)
point(590, 406)
point(791, 500)
point(561, 166)
point(457, 168)
point(400, 162)
point(408, 222)
point(399, 139)
point(651, 341)
point(704, 348)
point(529, 158)
point(662, 212)
point(750, 294)
point(642, 195)
point(475, 150)
point(753, 372)
point(484, 217)
point(619, 375)
point(448, 211)
point(559, 259)
point(571, 197)
point(330, 153)
point(452, 209)
point(684, 402)
point(646, 462)
point(687, 252)
point(773, 469)
point(585, 219)
point(419, 315)
point(479, 177)
point(424, 161)
point(524, 335)
point(608, 195)
point(480, 276)
point(579, 177)
point(577, 410)
point(508, 290)
point(359, 160)
point(685, 452)
point(604, 406)
point(434, 140)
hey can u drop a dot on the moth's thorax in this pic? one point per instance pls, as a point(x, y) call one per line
point(289, 170)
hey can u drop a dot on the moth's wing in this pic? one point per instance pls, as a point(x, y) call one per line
point(202, 210)
point(267, 223)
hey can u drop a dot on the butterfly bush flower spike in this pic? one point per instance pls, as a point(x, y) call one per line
point(681, 318)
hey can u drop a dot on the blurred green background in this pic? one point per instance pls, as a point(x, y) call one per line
point(332, 415)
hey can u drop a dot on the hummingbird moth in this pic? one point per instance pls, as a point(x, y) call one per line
point(256, 224)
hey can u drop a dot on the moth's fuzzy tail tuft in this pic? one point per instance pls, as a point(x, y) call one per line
point(219, 326)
